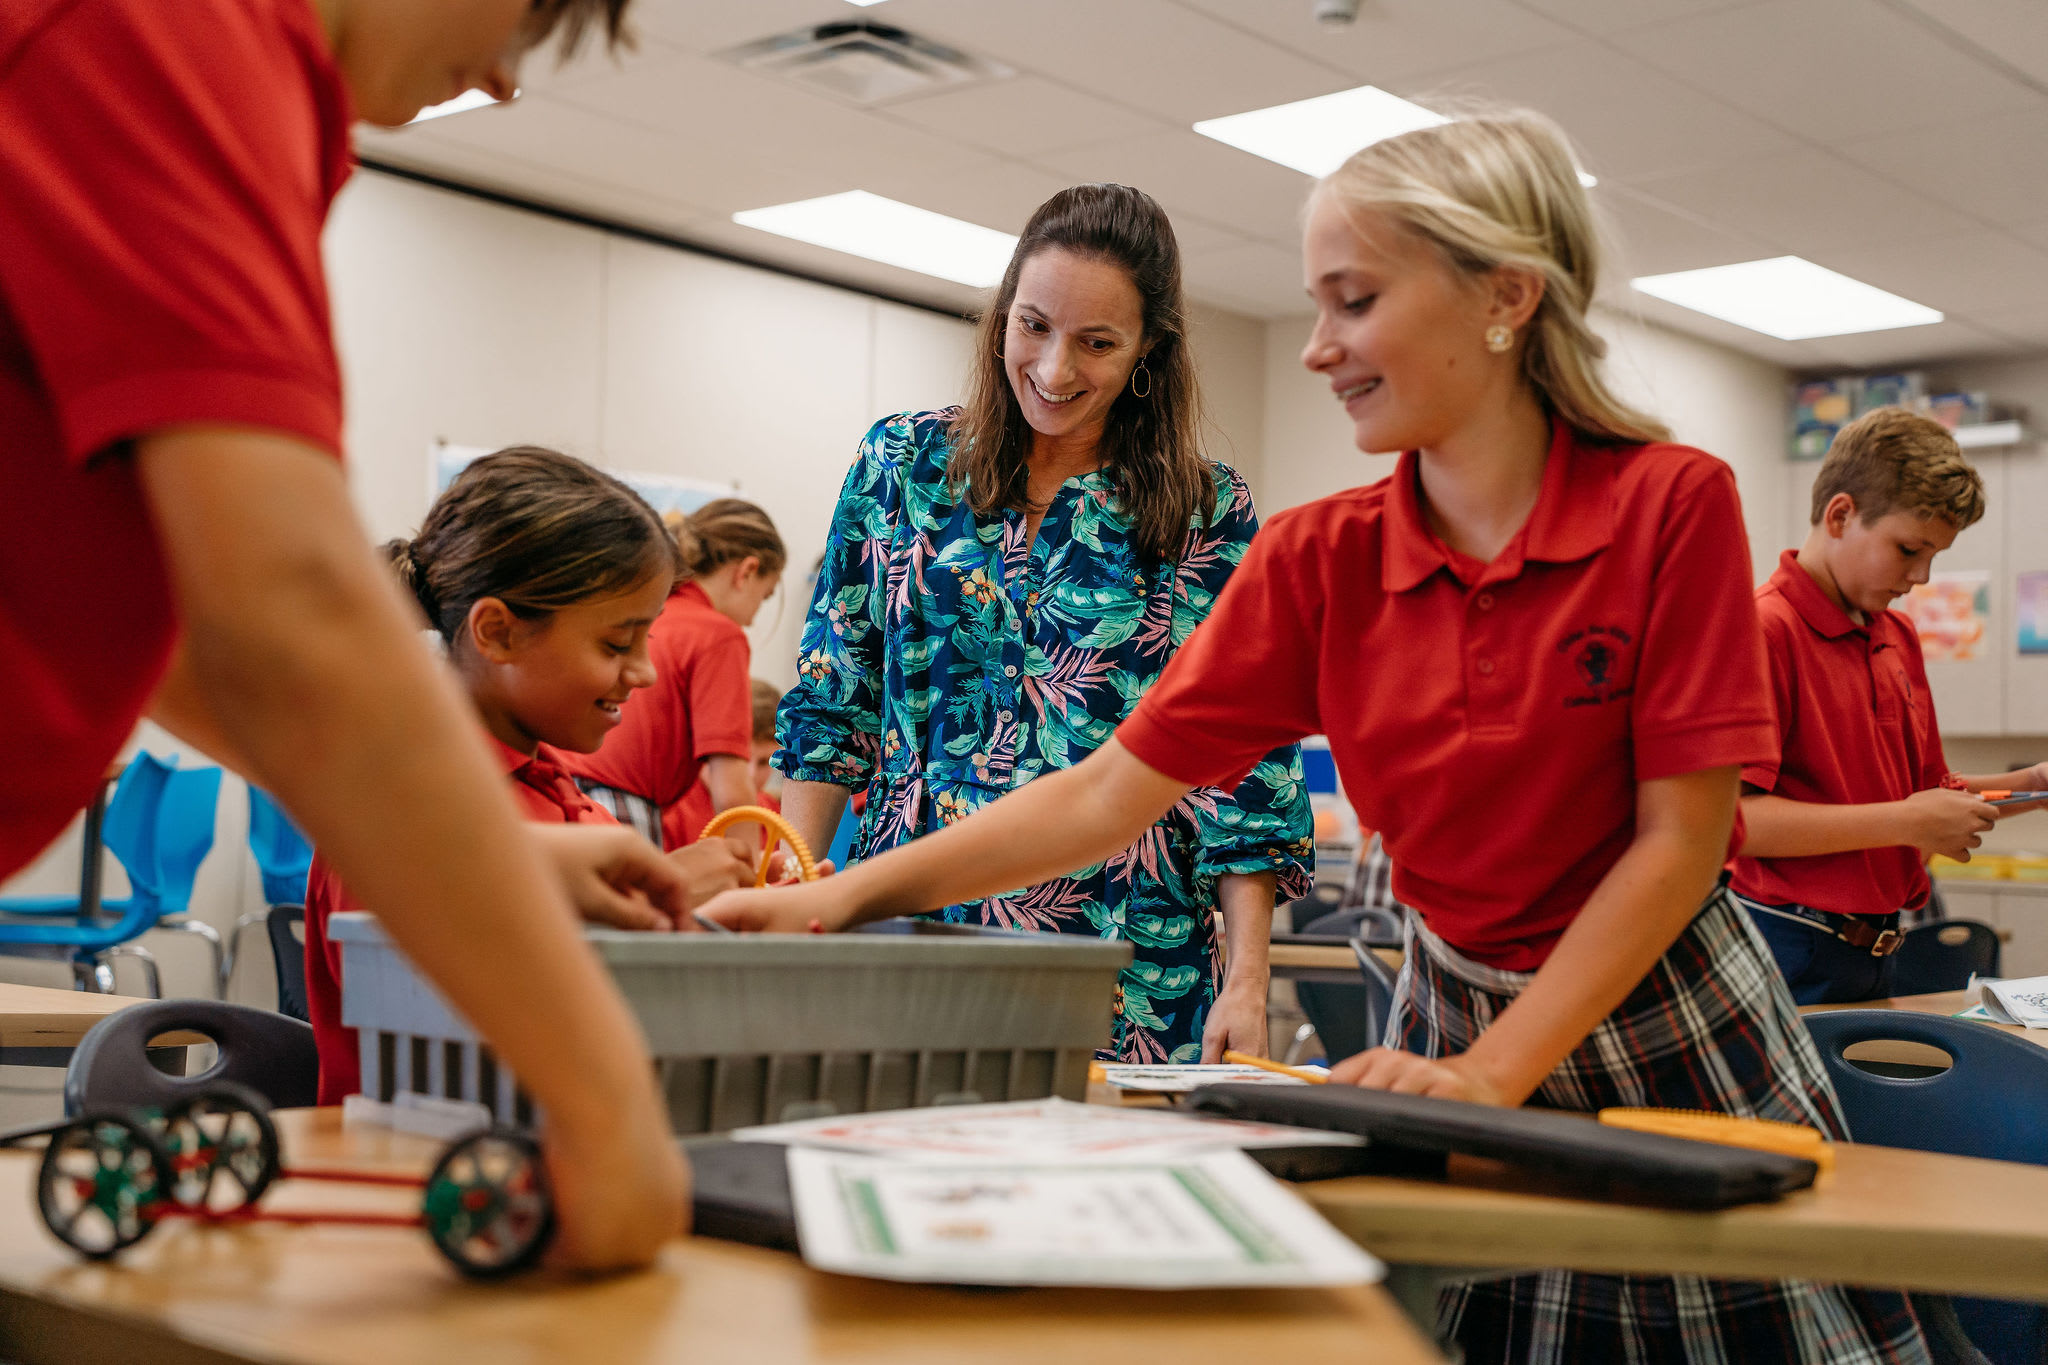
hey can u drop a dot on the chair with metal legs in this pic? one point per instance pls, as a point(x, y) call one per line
point(283, 857)
point(159, 824)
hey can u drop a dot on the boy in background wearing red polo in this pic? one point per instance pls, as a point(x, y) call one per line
point(1841, 826)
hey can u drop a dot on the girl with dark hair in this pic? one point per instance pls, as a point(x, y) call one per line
point(542, 576)
point(1002, 583)
point(682, 752)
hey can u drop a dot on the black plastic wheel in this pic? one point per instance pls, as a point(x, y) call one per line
point(103, 1182)
point(223, 1149)
point(487, 1204)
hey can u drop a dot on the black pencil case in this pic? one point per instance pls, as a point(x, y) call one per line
point(1571, 1151)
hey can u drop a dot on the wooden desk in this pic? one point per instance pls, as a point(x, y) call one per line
point(40, 1025)
point(1303, 959)
point(343, 1296)
point(1883, 1217)
point(1944, 1003)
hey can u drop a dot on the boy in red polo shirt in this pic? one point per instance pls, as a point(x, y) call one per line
point(176, 534)
point(1841, 824)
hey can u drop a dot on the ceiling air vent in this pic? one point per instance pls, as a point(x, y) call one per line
point(866, 63)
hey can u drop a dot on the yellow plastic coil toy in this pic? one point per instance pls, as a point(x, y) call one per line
point(1763, 1135)
point(807, 866)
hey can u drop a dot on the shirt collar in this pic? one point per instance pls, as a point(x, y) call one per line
point(1573, 517)
point(691, 591)
point(1814, 606)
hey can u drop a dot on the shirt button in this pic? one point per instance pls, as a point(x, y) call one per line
point(1010, 670)
point(1003, 716)
point(1485, 667)
point(1485, 601)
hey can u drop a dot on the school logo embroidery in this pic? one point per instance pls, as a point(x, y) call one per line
point(1595, 663)
point(1597, 655)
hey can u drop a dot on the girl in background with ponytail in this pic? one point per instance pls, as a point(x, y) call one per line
point(542, 576)
point(691, 733)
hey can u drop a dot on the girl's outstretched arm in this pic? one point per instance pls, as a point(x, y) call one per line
point(1063, 821)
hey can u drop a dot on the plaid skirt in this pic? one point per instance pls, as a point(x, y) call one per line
point(1711, 1027)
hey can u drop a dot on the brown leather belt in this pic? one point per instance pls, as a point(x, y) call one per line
point(1854, 930)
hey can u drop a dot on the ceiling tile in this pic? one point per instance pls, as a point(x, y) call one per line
point(697, 26)
point(1806, 201)
point(1258, 281)
point(2035, 233)
point(1995, 169)
point(1172, 63)
point(1185, 171)
point(2029, 327)
point(768, 122)
point(999, 194)
point(2016, 31)
point(1614, 16)
point(1915, 345)
point(1627, 119)
point(1648, 238)
point(1637, 306)
point(708, 174)
point(1024, 115)
point(1392, 39)
point(1976, 273)
point(1827, 69)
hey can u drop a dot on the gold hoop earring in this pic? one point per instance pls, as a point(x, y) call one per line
point(1137, 392)
point(1499, 338)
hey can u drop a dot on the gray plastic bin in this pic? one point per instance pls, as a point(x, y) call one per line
point(758, 1028)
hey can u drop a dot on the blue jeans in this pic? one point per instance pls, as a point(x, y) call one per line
point(1820, 968)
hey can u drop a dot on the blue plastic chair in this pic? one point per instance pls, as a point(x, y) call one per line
point(1998, 1081)
point(283, 858)
point(159, 823)
point(842, 838)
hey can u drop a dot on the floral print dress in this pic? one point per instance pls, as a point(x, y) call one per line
point(946, 662)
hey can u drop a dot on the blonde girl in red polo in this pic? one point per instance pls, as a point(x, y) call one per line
point(1534, 653)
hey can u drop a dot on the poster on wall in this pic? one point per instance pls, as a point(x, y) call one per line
point(2030, 606)
point(1951, 612)
point(664, 492)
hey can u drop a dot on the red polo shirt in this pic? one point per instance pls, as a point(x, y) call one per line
point(1492, 721)
point(1856, 727)
point(165, 169)
point(702, 703)
point(545, 792)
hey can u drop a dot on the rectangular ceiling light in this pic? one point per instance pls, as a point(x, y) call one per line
point(1317, 135)
point(863, 224)
point(1787, 298)
point(461, 104)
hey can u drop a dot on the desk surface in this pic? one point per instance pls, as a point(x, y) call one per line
point(1882, 1217)
point(39, 1016)
point(347, 1295)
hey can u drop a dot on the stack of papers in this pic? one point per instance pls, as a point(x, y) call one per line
point(2020, 1000)
point(1046, 1192)
point(1202, 1220)
point(1179, 1079)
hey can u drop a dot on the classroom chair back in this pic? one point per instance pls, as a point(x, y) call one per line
point(272, 1055)
point(159, 824)
point(1991, 1102)
point(283, 856)
point(1942, 956)
point(1350, 1017)
point(285, 924)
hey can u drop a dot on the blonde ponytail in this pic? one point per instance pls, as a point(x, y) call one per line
point(1502, 189)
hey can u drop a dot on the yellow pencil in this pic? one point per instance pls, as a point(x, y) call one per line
point(1246, 1059)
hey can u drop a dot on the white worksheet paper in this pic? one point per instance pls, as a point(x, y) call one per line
point(1193, 1220)
point(2017, 1000)
point(1177, 1079)
point(1034, 1130)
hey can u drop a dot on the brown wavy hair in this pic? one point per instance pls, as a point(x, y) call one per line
point(534, 528)
point(570, 21)
point(1150, 445)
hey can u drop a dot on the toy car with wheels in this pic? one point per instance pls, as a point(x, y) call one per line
point(108, 1179)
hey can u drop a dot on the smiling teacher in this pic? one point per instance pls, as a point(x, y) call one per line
point(1004, 580)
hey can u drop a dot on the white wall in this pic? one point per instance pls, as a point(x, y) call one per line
point(1726, 403)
